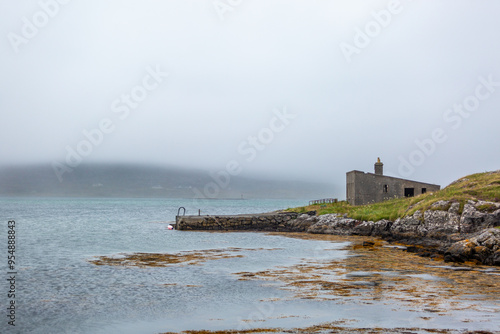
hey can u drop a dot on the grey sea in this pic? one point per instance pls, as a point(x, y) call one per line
point(58, 289)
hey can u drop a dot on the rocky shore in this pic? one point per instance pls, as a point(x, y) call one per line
point(458, 234)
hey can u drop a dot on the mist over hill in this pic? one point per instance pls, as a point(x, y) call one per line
point(126, 180)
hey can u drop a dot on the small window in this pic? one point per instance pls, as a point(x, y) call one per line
point(424, 190)
point(409, 192)
point(386, 188)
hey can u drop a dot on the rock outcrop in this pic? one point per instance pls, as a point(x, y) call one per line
point(302, 223)
point(484, 248)
point(469, 235)
point(333, 224)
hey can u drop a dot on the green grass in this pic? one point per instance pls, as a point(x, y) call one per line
point(482, 186)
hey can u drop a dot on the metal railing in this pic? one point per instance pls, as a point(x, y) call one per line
point(323, 201)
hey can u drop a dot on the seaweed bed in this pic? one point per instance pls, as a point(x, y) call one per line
point(379, 271)
point(374, 271)
point(165, 259)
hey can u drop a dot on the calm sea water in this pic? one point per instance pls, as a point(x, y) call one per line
point(59, 291)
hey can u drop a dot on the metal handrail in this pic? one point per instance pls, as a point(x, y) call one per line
point(179, 210)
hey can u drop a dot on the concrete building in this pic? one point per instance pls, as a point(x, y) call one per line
point(364, 188)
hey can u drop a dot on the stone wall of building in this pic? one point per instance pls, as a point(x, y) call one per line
point(365, 188)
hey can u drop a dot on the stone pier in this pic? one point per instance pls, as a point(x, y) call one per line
point(273, 221)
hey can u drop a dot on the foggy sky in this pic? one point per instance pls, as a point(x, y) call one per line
point(296, 89)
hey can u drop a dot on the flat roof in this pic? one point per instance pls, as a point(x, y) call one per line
point(392, 177)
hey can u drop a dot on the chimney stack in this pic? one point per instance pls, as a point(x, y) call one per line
point(379, 167)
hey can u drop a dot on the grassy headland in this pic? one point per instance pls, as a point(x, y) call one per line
point(481, 186)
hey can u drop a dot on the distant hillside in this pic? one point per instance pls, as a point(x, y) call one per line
point(122, 180)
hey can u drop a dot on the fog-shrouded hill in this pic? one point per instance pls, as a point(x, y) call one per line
point(127, 180)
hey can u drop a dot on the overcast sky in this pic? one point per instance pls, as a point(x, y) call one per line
point(303, 89)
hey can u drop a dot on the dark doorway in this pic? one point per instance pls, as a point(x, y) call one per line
point(386, 188)
point(409, 192)
point(424, 190)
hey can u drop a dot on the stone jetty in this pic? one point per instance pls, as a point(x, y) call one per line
point(272, 221)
